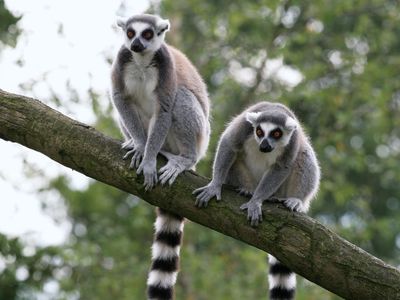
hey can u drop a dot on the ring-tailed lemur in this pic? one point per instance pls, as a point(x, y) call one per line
point(266, 154)
point(163, 107)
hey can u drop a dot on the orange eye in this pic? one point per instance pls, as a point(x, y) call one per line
point(276, 134)
point(259, 132)
point(130, 34)
point(147, 34)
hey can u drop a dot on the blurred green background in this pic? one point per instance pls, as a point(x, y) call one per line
point(335, 63)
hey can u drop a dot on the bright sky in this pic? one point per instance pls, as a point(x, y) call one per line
point(76, 55)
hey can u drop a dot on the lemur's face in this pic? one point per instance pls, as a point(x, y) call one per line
point(144, 36)
point(270, 135)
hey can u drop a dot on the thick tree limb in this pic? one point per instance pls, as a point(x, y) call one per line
point(303, 244)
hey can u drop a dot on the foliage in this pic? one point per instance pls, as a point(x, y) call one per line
point(348, 54)
point(24, 269)
point(8, 29)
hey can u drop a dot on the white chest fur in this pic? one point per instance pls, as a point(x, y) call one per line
point(256, 161)
point(140, 83)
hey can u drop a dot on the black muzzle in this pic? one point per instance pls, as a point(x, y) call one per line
point(137, 46)
point(265, 146)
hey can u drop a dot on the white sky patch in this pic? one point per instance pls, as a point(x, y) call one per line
point(22, 273)
point(315, 26)
point(335, 57)
point(62, 42)
point(21, 213)
point(288, 75)
point(274, 68)
point(244, 76)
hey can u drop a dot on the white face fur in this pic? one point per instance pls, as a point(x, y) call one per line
point(268, 134)
point(145, 37)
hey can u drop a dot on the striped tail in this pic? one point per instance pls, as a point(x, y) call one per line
point(282, 281)
point(165, 256)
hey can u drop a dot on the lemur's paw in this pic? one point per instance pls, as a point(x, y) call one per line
point(205, 193)
point(136, 158)
point(254, 212)
point(244, 192)
point(170, 172)
point(128, 144)
point(150, 173)
point(137, 153)
point(294, 204)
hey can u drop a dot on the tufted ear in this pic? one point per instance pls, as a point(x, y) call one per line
point(121, 22)
point(163, 25)
point(252, 117)
point(290, 124)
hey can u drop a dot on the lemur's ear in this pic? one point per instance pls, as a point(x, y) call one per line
point(290, 124)
point(121, 22)
point(163, 25)
point(252, 117)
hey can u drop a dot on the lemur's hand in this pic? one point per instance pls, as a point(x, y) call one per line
point(254, 212)
point(148, 167)
point(137, 152)
point(205, 193)
point(128, 144)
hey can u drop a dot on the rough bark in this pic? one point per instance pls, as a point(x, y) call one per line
point(303, 244)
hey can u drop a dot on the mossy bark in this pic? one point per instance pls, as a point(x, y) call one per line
point(303, 244)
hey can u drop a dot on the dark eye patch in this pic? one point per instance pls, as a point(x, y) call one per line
point(130, 33)
point(147, 34)
point(276, 133)
point(259, 132)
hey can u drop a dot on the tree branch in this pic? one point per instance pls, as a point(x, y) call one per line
point(303, 244)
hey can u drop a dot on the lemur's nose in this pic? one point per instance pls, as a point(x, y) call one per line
point(265, 146)
point(137, 46)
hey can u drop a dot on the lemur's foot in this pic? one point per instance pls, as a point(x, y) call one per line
point(137, 153)
point(205, 193)
point(136, 158)
point(254, 212)
point(294, 204)
point(175, 166)
point(170, 172)
point(128, 144)
point(150, 173)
